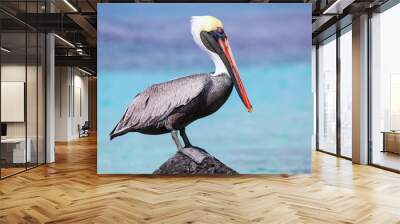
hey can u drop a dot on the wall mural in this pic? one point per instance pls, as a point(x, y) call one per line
point(204, 88)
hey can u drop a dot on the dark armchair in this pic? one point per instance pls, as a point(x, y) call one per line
point(84, 130)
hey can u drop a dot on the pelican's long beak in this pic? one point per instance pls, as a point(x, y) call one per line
point(217, 42)
point(234, 72)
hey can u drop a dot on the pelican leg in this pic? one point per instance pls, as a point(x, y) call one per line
point(176, 139)
point(182, 132)
point(193, 153)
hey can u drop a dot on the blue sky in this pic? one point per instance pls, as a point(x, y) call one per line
point(140, 35)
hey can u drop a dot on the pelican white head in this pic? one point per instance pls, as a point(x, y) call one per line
point(208, 32)
point(207, 24)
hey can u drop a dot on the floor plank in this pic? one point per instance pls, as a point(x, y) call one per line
point(70, 191)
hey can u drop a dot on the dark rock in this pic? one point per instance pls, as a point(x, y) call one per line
point(182, 164)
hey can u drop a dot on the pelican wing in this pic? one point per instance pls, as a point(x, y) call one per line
point(158, 101)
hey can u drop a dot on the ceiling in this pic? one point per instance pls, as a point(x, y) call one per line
point(74, 22)
point(329, 16)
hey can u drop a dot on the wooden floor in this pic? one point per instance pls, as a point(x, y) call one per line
point(5, 172)
point(387, 159)
point(70, 191)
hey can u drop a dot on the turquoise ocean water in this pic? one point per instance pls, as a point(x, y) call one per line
point(275, 138)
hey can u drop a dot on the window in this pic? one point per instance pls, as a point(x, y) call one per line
point(22, 101)
point(346, 92)
point(327, 95)
point(385, 89)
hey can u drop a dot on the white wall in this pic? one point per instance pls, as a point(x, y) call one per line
point(12, 73)
point(33, 127)
point(61, 103)
point(80, 94)
point(71, 87)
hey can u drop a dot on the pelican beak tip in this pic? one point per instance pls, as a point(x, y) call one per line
point(250, 109)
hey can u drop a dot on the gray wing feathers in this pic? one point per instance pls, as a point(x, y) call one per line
point(158, 101)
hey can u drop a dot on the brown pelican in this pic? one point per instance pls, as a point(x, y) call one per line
point(171, 106)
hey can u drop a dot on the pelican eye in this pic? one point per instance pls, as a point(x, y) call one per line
point(218, 33)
